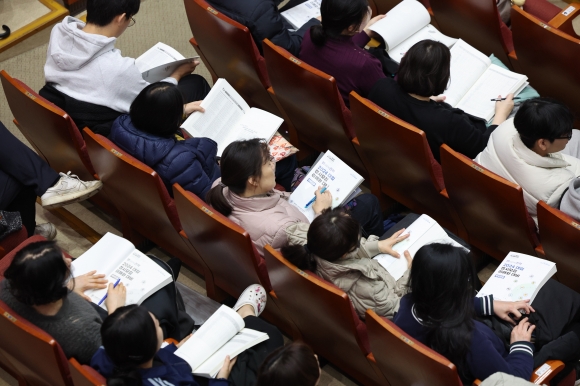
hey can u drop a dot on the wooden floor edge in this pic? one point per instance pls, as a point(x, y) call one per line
point(76, 224)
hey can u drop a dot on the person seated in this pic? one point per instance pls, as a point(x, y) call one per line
point(482, 336)
point(24, 176)
point(245, 193)
point(333, 248)
point(528, 150)
point(132, 353)
point(292, 365)
point(151, 133)
point(424, 74)
point(88, 77)
point(336, 47)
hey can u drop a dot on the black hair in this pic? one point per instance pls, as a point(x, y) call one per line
point(425, 69)
point(130, 339)
point(442, 288)
point(240, 161)
point(338, 15)
point(102, 12)
point(543, 118)
point(158, 109)
point(38, 274)
point(290, 365)
point(331, 235)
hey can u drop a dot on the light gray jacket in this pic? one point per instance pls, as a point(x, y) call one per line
point(571, 200)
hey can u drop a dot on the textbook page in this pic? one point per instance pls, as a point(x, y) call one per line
point(302, 13)
point(104, 256)
point(426, 33)
point(255, 123)
point(518, 277)
point(330, 172)
point(405, 19)
point(159, 62)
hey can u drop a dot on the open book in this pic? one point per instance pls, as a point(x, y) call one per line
point(159, 62)
point(228, 118)
point(475, 81)
point(518, 277)
point(330, 172)
point(422, 231)
point(302, 13)
point(221, 335)
point(406, 24)
point(118, 259)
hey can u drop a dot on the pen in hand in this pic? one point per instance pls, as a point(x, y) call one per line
point(501, 99)
point(314, 199)
point(105, 297)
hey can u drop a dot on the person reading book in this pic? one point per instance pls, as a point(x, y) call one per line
point(291, 365)
point(246, 194)
point(333, 248)
point(424, 74)
point(481, 335)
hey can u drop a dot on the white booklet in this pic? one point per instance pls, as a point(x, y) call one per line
point(475, 81)
point(159, 62)
point(118, 259)
point(228, 118)
point(422, 231)
point(330, 172)
point(518, 277)
point(302, 13)
point(221, 335)
point(405, 25)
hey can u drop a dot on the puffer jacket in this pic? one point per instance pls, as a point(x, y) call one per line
point(191, 162)
point(367, 283)
point(541, 178)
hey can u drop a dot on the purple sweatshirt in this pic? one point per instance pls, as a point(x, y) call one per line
point(346, 60)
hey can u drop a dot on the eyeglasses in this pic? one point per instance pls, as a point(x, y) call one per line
point(568, 137)
point(132, 22)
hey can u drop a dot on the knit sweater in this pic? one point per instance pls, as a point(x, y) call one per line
point(76, 326)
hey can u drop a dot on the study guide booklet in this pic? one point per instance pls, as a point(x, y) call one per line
point(330, 172)
point(221, 335)
point(422, 231)
point(475, 81)
point(405, 25)
point(518, 277)
point(302, 13)
point(228, 118)
point(159, 62)
point(117, 258)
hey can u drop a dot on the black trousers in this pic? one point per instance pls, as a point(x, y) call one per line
point(193, 87)
point(368, 213)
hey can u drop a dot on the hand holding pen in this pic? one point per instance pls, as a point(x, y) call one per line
point(322, 200)
point(115, 296)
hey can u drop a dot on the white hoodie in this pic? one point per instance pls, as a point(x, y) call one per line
point(89, 68)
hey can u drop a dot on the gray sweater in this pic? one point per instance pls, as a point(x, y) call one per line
point(76, 326)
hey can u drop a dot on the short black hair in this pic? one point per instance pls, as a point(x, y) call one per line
point(543, 118)
point(338, 15)
point(425, 69)
point(102, 12)
point(158, 109)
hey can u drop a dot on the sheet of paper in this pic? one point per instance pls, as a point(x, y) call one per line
point(164, 70)
point(104, 256)
point(159, 62)
point(426, 33)
point(255, 123)
point(302, 13)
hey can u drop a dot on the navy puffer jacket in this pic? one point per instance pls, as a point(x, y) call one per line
point(191, 163)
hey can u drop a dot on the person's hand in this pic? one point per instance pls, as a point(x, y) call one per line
point(116, 297)
point(323, 200)
point(319, 18)
point(386, 246)
point(184, 340)
point(226, 368)
point(503, 109)
point(184, 69)
point(409, 259)
point(88, 281)
point(438, 98)
point(370, 33)
point(193, 106)
point(522, 332)
point(503, 309)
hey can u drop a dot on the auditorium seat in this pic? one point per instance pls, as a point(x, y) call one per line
point(83, 375)
point(312, 103)
point(10, 242)
point(400, 157)
point(324, 317)
point(491, 208)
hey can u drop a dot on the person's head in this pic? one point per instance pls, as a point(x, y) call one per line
point(425, 69)
point(39, 273)
point(331, 236)
point(116, 14)
point(545, 125)
point(131, 336)
point(292, 365)
point(158, 109)
point(247, 169)
point(340, 17)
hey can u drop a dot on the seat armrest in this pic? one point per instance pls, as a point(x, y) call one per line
point(547, 371)
point(563, 20)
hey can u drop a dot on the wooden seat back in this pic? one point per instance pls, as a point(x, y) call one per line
point(83, 375)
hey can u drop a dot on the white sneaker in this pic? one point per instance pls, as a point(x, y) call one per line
point(68, 189)
point(254, 295)
point(47, 230)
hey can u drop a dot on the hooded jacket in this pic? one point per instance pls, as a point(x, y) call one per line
point(191, 162)
point(571, 200)
point(89, 68)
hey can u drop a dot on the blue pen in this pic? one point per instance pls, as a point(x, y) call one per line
point(104, 297)
point(314, 199)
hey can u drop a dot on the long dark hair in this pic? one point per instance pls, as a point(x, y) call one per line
point(158, 109)
point(331, 235)
point(442, 288)
point(425, 69)
point(291, 365)
point(240, 161)
point(130, 339)
point(338, 15)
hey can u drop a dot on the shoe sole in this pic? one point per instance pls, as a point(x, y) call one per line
point(71, 198)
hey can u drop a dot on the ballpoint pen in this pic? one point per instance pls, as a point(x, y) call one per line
point(314, 199)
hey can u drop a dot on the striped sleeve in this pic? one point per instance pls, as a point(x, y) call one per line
point(483, 305)
point(523, 347)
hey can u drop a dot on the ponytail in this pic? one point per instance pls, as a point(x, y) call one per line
point(317, 35)
point(300, 256)
point(215, 198)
